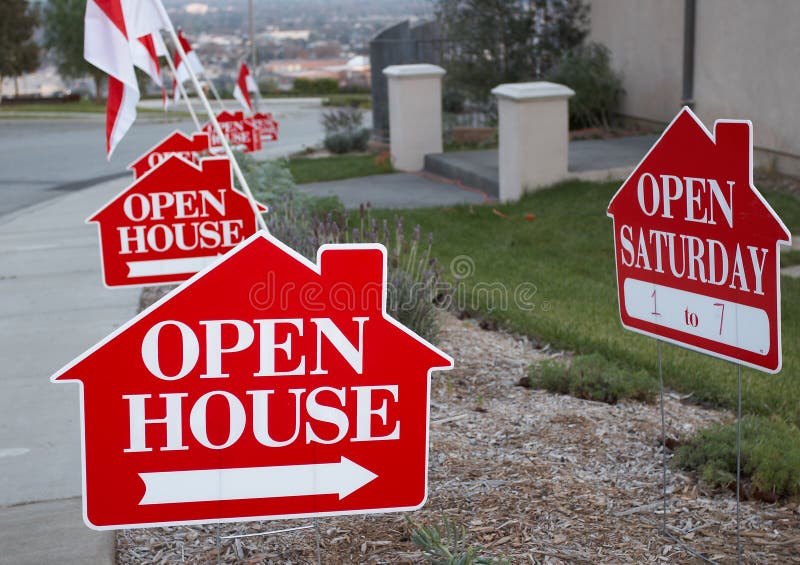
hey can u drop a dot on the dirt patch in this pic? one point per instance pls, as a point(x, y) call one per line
point(533, 477)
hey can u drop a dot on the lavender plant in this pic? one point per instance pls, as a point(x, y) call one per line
point(415, 289)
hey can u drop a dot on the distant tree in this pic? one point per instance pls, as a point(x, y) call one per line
point(19, 53)
point(491, 42)
point(63, 35)
point(598, 89)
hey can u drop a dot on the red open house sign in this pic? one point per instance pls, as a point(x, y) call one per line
point(239, 132)
point(697, 246)
point(267, 127)
point(265, 387)
point(172, 222)
point(177, 143)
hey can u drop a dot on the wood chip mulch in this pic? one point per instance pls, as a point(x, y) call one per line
point(533, 477)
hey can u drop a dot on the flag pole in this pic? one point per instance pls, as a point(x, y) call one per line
point(237, 171)
point(254, 55)
point(182, 90)
point(216, 94)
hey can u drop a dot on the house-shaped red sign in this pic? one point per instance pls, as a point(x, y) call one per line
point(238, 131)
point(697, 246)
point(177, 143)
point(175, 220)
point(265, 124)
point(264, 387)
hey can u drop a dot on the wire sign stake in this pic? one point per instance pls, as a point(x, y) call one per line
point(697, 254)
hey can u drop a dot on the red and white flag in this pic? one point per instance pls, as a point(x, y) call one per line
point(106, 46)
point(112, 29)
point(244, 86)
point(145, 19)
point(145, 56)
point(182, 65)
point(181, 75)
point(146, 51)
point(192, 57)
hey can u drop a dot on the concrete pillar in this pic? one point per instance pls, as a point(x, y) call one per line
point(533, 134)
point(415, 113)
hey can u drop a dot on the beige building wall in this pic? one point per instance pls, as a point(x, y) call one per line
point(646, 42)
point(747, 65)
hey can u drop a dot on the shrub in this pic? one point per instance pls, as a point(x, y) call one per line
point(344, 131)
point(770, 456)
point(315, 86)
point(453, 101)
point(340, 143)
point(598, 89)
point(592, 377)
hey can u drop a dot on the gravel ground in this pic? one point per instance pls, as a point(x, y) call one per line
point(532, 477)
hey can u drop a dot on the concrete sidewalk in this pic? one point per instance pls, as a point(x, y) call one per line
point(590, 159)
point(471, 177)
point(53, 306)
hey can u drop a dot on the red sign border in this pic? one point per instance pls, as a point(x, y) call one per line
point(778, 244)
point(315, 267)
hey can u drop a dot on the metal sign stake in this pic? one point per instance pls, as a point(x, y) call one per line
point(318, 536)
point(738, 462)
point(664, 493)
point(663, 442)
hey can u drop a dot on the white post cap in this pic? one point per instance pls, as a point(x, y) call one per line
point(420, 70)
point(540, 90)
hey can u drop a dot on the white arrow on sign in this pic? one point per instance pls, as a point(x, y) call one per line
point(342, 478)
point(159, 267)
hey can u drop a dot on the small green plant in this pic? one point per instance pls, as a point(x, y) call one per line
point(598, 89)
point(592, 377)
point(770, 456)
point(448, 546)
point(344, 132)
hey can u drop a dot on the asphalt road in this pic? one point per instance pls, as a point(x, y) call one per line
point(41, 158)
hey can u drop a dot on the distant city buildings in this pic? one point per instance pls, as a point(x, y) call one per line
point(294, 39)
point(347, 72)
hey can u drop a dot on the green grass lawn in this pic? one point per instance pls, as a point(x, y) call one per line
point(306, 169)
point(347, 100)
point(561, 266)
point(361, 100)
point(88, 106)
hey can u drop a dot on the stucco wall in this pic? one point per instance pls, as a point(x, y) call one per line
point(747, 65)
point(646, 42)
point(747, 56)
